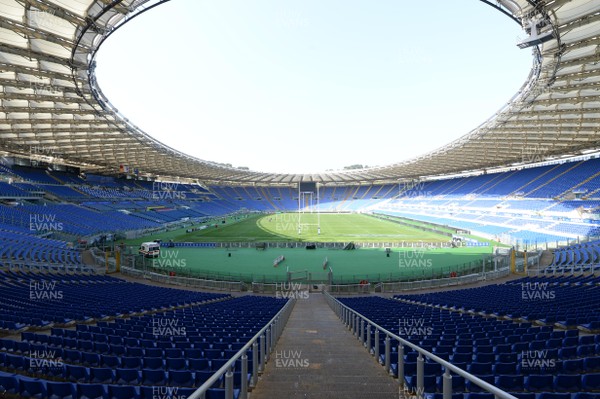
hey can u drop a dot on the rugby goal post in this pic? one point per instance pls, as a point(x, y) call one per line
point(308, 203)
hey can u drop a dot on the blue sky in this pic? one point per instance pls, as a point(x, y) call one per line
point(309, 86)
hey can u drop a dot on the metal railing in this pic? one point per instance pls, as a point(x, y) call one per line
point(566, 271)
point(262, 345)
point(442, 282)
point(347, 289)
point(361, 328)
point(43, 267)
point(220, 285)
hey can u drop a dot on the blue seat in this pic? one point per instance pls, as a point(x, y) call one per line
point(84, 346)
point(15, 362)
point(131, 362)
point(117, 350)
point(154, 377)
point(458, 383)
point(134, 351)
point(429, 383)
point(432, 368)
point(539, 383)
point(153, 352)
point(92, 391)
point(7, 345)
point(163, 344)
point(181, 378)
point(173, 352)
point(592, 363)
point(442, 351)
point(102, 348)
point(537, 345)
point(77, 373)
point(461, 358)
point(203, 375)
point(484, 357)
point(237, 379)
point(553, 395)
point(480, 368)
point(573, 366)
point(102, 375)
point(72, 355)
point(591, 382)
point(91, 359)
point(504, 368)
point(212, 354)
point(110, 361)
point(570, 341)
point(61, 390)
point(198, 364)
point(463, 349)
point(176, 363)
point(127, 376)
point(567, 383)
point(507, 358)
point(115, 340)
point(216, 364)
point(9, 383)
point(479, 395)
point(472, 387)
point(123, 391)
point(567, 352)
point(32, 388)
point(510, 382)
point(193, 353)
point(554, 343)
point(502, 348)
point(153, 363)
point(484, 349)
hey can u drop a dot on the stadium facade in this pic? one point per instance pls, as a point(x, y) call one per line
point(52, 106)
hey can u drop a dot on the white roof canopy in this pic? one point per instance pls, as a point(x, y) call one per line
point(49, 97)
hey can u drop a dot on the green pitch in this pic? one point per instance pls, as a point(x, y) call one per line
point(347, 266)
point(283, 227)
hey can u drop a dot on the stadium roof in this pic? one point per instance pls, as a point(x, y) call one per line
point(51, 108)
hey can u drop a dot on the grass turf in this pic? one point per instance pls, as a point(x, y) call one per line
point(347, 266)
point(283, 227)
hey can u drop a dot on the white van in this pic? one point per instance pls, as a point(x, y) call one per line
point(150, 249)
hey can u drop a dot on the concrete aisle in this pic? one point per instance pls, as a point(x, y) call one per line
point(317, 357)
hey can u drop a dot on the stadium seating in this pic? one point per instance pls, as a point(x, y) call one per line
point(82, 298)
point(513, 354)
point(518, 206)
point(186, 337)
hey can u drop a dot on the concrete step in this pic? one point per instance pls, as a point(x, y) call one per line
point(317, 357)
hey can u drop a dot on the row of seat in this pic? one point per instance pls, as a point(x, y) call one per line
point(514, 383)
point(25, 299)
point(200, 371)
point(533, 357)
point(547, 300)
point(19, 362)
point(522, 366)
point(14, 384)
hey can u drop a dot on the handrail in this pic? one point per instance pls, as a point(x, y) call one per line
point(23, 265)
point(222, 285)
point(361, 326)
point(267, 337)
